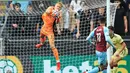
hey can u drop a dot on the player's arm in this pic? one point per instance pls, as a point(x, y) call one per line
point(107, 37)
point(123, 47)
point(48, 10)
point(125, 24)
point(107, 46)
point(59, 17)
point(91, 25)
point(120, 40)
point(90, 36)
point(92, 22)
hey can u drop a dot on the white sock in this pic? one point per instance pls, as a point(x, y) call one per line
point(58, 61)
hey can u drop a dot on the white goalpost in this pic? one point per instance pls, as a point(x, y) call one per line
point(108, 24)
point(20, 32)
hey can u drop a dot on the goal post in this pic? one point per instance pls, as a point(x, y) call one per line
point(108, 24)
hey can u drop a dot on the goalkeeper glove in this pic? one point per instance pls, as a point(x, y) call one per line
point(55, 13)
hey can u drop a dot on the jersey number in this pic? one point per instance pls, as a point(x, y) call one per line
point(98, 37)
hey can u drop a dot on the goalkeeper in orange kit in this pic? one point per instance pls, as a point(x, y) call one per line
point(49, 17)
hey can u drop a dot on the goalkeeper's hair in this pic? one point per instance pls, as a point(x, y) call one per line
point(60, 3)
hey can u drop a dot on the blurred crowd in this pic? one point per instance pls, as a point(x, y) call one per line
point(78, 20)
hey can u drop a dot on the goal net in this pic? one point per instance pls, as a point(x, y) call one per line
point(20, 32)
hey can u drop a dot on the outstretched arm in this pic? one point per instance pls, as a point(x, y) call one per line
point(48, 10)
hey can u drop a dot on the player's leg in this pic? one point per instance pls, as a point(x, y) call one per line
point(54, 49)
point(102, 63)
point(42, 40)
point(116, 58)
point(113, 63)
point(102, 60)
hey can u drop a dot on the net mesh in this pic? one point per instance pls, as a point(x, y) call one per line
point(20, 33)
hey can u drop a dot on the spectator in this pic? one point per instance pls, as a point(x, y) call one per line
point(83, 5)
point(10, 5)
point(96, 16)
point(40, 6)
point(24, 4)
point(2, 8)
point(127, 1)
point(124, 4)
point(31, 21)
point(85, 17)
point(121, 25)
point(68, 20)
point(15, 21)
point(2, 12)
point(128, 18)
point(75, 5)
point(66, 1)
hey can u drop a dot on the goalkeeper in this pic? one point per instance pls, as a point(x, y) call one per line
point(51, 16)
point(121, 49)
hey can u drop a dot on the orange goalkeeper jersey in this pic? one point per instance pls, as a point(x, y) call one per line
point(48, 20)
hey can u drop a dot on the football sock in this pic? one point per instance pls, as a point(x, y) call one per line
point(55, 53)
